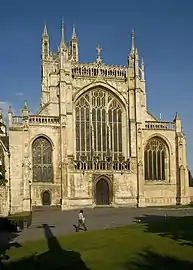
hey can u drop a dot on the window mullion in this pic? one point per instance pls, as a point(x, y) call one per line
point(101, 134)
point(161, 165)
point(117, 127)
point(148, 165)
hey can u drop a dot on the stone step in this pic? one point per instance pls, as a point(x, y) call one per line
point(46, 208)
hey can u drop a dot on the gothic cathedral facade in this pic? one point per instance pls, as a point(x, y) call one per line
point(93, 141)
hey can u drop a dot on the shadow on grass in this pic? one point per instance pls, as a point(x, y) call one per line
point(149, 260)
point(179, 229)
point(8, 232)
point(54, 258)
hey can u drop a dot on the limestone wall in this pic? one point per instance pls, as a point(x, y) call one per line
point(16, 159)
point(38, 188)
point(191, 194)
point(82, 188)
point(162, 192)
point(52, 134)
point(3, 201)
point(20, 149)
point(125, 189)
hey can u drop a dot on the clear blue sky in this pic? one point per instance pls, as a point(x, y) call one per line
point(164, 37)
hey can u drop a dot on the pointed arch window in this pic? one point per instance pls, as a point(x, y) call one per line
point(42, 160)
point(155, 160)
point(98, 115)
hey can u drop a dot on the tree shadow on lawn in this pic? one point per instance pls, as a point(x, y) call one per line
point(148, 260)
point(54, 258)
point(8, 232)
point(179, 229)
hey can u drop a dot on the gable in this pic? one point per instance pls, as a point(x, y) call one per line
point(149, 117)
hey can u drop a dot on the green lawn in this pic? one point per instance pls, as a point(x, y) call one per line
point(152, 244)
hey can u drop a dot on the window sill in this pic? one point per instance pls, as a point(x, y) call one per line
point(157, 182)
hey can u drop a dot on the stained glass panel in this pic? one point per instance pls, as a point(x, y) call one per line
point(155, 159)
point(101, 110)
point(42, 160)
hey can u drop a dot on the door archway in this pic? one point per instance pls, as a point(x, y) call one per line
point(102, 192)
point(46, 198)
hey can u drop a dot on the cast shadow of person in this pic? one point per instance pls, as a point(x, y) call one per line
point(54, 258)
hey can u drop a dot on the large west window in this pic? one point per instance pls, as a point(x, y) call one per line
point(155, 159)
point(42, 160)
point(98, 115)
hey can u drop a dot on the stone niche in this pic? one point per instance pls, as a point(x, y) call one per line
point(81, 185)
point(38, 190)
point(125, 185)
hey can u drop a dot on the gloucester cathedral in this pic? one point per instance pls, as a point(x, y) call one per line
point(93, 141)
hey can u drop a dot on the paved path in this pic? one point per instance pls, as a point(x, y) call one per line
point(98, 218)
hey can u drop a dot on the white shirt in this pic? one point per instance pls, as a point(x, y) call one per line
point(81, 217)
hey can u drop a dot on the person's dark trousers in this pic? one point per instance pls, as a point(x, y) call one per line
point(81, 224)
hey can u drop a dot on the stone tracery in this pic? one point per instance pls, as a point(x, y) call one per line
point(42, 160)
point(155, 159)
point(98, 125)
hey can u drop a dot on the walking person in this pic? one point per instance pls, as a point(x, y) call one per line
point(81, 222)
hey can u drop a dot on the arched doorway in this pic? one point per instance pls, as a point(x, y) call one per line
point(102, 192)
point(46, 198)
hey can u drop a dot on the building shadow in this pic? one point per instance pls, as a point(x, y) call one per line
point(148, 260)
point(179, 229)
point(54, 258)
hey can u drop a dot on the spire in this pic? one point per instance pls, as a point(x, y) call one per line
point(25, 110)
point(132, 40)
point(45, 43)
point(73, 32)
point(178, 123)
point(1, 115)
point(142, 70)
point(45, 33)
point(10, 116)
point(133, 56)
point(10, 109)
point(176, 117)
point(133, 52)
point(2, 124)
point(62, 43)
point(25, 106)
point(142, 64)
point(74, 45)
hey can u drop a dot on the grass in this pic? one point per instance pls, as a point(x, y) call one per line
point(155, 243)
